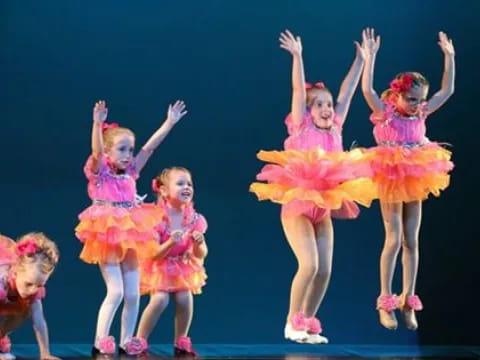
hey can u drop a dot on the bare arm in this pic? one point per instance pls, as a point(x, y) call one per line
point(448, 79)
point(350, 83)
point(175, 113)
point(167, 245)
point(100, 112)
point(299, 93)
point(41, 330)
point(371, 46)
point(200, 249)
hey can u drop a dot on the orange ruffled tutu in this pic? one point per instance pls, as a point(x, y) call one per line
point(108, 232)
point(404, 174)
point(172, 274)
point(328, 180)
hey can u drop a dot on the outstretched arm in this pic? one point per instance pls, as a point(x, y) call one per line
point(299, 94)
point(448, 79)
point(100, 113)
point(175, 113)
point(371, 46)
point(350, 83)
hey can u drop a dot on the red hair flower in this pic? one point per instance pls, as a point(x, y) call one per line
point(106, 126)
point(402, 84)
point(155, 186)
point(318, 85)
point(26, 247)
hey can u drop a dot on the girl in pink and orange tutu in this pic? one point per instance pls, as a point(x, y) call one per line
point(25, 267)
point(315, 180)
point(115, 230)
point(177, 270)
point(407, 168)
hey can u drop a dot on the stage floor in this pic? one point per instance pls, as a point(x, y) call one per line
point(274, 352)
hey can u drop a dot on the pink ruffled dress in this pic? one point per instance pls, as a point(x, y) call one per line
point(406, 165)
point(314, 177)
point(179, 270)
point(115, 222)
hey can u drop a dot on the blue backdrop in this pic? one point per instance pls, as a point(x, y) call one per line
point(224, 60)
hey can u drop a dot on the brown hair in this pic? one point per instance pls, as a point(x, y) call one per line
point(418, 80)
point(45, 256)
point(162, 177)
point(110, 133)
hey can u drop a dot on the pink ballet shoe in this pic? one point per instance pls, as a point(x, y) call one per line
point(296, 328)
point(410, 305)
point(106, 346)
point(183, 348)
point(135, 346)
point(5, 344)
point(386, 305)
point(313, 326)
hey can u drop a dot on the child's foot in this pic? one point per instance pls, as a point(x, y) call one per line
point(5, 348)
point(104, 346)
point(134, 347)
point(183, 348)
point(296, 328)
point(386, 305)
point(314, 329)
point(410, 304)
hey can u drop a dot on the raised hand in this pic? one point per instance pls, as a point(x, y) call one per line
point(291, 43)
point(176, 112)
point(445, 43)
point(100, 111)
point(370, 43)
point(361, 49)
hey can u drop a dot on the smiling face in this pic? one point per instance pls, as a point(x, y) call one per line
point(320, 102)
point(178, 189)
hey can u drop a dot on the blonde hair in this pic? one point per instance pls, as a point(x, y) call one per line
point(418, 80)
point(162, 178)
point(312, 94)
point(110, 133)
point(45, 256)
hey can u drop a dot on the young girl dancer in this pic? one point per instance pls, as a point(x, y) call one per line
point(314, 179)
point(25, 267)
point(114, 230)
point(407, 168)
point(178, 267)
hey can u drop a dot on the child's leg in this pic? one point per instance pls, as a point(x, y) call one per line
point(392, 221)
point(112, 275)
point(412, 217)
point(318, 288)
point(183, 313)
point(10, 323)
point(300, 235)
point(158, 303)
point(131, 299)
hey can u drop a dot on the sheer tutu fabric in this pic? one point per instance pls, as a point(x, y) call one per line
point(410, 174)
point(316, 182)
point(114, 223)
